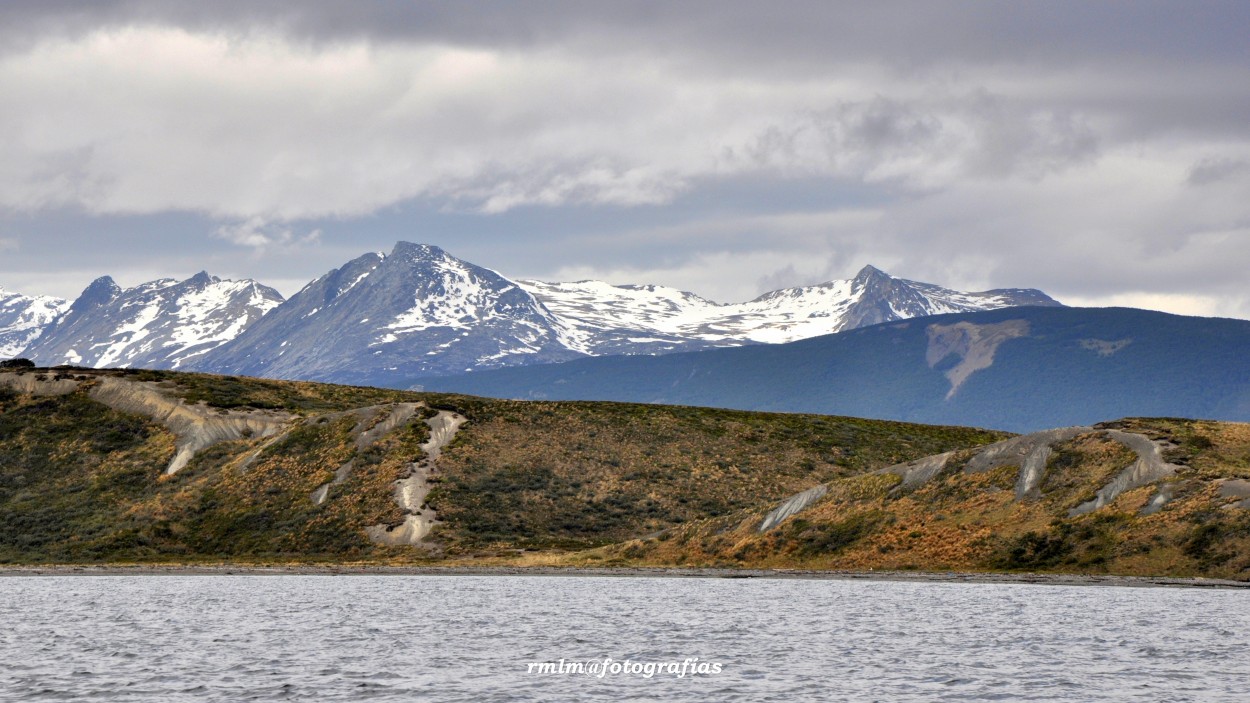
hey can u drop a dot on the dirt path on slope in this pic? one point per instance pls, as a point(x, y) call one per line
point(411, 492)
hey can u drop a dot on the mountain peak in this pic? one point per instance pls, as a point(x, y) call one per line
point(158, 324)
point(100, 290)
point(869, 273)
point(419, 251)
point(419, 311)
point(201, 280)
point(23, 318)
point(102, 282)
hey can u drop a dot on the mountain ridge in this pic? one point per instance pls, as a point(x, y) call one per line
point(24, 317)
point(419, 311)
point(674, 319)
point(1017, 369)
point(414, 311)
point(163, 323)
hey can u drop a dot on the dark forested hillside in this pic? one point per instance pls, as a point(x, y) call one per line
point(1017, 369)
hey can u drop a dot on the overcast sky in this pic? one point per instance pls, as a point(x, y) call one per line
point(1099, 151)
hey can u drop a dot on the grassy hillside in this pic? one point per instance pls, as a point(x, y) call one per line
point(80, 482)
point(318, 473)
point(542, 474)
point(975, 520)
point(84, 481)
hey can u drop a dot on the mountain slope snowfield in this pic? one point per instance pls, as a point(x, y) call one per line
point(23, 318)
point(160, 324)
point(649, 319)
point(416, 311)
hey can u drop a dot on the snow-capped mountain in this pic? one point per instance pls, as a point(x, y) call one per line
point(608, 319)
point(23, 318)
point(418, 311)
point(159, 324)
point(380, 318)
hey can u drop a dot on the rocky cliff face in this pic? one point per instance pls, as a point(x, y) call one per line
point(160, 324)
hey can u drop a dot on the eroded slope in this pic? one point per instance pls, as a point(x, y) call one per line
point(1147, 497)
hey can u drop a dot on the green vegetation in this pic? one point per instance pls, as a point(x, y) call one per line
point(70, 469)
point(587, 483)
point(973, 521)
point(82, 483)
point(566, 474)
point(85, 482)
point(260, 393)
point(824, 538)
point(1084, 544)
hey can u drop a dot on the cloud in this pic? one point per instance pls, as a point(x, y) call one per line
point(711, 275)
point(261, 235)
point(594, 182)
point(928, 142)
point(145, 118)
point(743, 34)
point(1092, 149)
point(784, 277)
point(1214, 170)
point(148, 119)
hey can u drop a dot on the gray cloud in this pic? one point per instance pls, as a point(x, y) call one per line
point(1214, 170)
point(1095, 149)
point(260, 235)
point(795, 33)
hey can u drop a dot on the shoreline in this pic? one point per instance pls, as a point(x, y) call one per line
point(617, 572)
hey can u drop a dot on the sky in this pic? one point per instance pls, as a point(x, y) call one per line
point(1099, 151)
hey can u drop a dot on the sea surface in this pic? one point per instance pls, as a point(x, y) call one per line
point(474, 638)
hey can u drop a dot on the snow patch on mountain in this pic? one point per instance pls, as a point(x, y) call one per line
point(202, 322)
point(23, 318)
point(459, 300)
point(129, 334)
point(415, 311)
point(596, 305)
point(607, 319)
point(418, 311)
point(158, 324)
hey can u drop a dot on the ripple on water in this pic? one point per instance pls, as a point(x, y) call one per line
point(469, 638)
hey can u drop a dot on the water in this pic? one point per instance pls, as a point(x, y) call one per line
point(472, 638)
